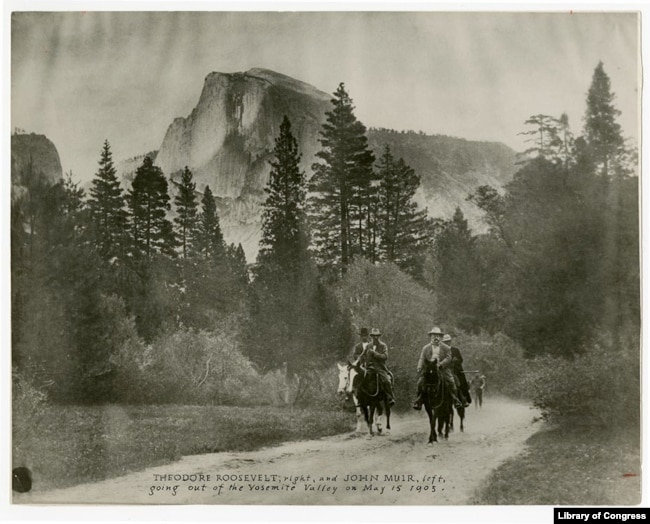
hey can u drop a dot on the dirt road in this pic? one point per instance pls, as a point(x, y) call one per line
point(398, 468)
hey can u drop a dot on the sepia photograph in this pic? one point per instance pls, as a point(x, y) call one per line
point(325, 258)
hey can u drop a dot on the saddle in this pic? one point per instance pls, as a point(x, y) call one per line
point(372, 382)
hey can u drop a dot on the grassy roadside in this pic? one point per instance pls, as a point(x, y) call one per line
point(570, 465)
point(71, 445)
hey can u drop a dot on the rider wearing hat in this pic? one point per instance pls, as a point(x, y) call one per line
point(359, 349)
point(376, 356)
point(457, 371)
point(436, 350)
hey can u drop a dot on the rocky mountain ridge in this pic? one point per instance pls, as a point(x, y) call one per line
point(228, 138)
point(449, 168)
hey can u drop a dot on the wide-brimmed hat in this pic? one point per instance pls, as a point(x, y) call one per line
point(374, 332)
point(436, 331)
point(363, 332)
point(446, 338)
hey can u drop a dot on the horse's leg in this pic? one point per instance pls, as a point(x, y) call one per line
point(443, 422)
point(432, 425)
point(359, 420)
point(359, 414)
point(440, 421)
point(369, 413)
point(451, 420)
point(378, 415)
point(461, 416)
point(387, 417)
point(446, 426)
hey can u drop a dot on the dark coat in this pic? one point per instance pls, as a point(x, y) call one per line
point(357, 351)
point(457, 368)
point(376, 358)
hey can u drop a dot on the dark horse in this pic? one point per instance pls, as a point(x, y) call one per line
point(370, 396)
point(437, 402)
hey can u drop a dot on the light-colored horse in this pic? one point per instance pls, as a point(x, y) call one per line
point(347, 374)
point(346, 377)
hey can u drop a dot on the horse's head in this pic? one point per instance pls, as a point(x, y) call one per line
point(353, 374)
point(347, 374)
point(431, 369)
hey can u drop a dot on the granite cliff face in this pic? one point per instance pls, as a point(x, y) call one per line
point(42, 154)
point(228, 138)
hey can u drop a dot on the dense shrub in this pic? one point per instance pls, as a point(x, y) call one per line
point(29, 404)
point(599, 387)
point(188, 366)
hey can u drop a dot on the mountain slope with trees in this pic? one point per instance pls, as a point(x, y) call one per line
point(227, 141)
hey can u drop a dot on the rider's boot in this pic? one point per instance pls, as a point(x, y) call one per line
point(390, 396)
point(457, 403)
point(464, 399)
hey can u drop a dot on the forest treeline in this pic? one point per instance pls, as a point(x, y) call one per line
point(134, 296)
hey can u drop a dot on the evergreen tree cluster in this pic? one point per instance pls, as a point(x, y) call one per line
point(559, 267)
point(312, 233)
point(357, 208)
point(73, 256)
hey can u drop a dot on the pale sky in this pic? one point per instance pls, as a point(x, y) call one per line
point(82, 77)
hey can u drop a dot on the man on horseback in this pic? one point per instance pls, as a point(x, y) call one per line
point(436, 350)
point(360, 348)
point(457, 370)
point(375, 357)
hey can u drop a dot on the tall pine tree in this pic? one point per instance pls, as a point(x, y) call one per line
point(284, 236)
point(237, 262)
point(148, 201)
point(209, 241)
point(186, 211)
point(107, 210)
point(602, 132)
point(289, 321)
point(341, 186)
point(403, 229)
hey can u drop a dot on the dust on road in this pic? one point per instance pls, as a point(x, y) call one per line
point(398, 468)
